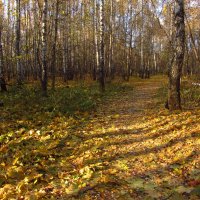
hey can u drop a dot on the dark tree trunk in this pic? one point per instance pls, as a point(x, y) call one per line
point(1, 103)
point(1, 48)
point(2, 80)
point(174, 98)
point(3, 84)
point(53, 67)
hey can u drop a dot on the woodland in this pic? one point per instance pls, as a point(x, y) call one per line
point(100, 99)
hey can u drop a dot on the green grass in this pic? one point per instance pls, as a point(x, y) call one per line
point(27, 103)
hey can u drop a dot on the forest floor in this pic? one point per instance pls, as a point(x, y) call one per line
point(130, 147)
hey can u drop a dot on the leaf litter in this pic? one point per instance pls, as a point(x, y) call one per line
point(129, 148)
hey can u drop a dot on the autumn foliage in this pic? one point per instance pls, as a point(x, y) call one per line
point(122, 145)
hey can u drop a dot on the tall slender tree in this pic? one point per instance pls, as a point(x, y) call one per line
point(1, 30)
point(96, 49)
point(53, 67)
point(18, 42)
point(101, 70)
point(142, 41)
point(110, 61)
point(44, 49)
point(2, 79)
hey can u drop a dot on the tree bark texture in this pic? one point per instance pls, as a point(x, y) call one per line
point(174, 96)
point(44, 49)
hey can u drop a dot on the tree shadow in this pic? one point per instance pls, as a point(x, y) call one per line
point(114, 185)
point(140, 135)
point(155, 149)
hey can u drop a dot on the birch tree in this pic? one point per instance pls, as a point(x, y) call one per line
point(142, 41)
point(101, 70)
point(18, 42)
point(44, 49)
point(174, 96)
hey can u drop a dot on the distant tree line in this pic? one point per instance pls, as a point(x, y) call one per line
point(74, 39)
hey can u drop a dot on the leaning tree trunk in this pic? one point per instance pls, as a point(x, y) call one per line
point(44, 49)
point(174, 97)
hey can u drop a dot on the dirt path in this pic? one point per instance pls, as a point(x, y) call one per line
point(137, 152)
point(133, 105)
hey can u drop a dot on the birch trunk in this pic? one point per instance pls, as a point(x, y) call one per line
point(174, 97)
point(110, 62)
point(44, 49)
point(142, 43)
point(101, 71)
point(95, 21)
point(18, 41)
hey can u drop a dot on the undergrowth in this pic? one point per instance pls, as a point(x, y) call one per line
point(27, 103)
point(190, 94)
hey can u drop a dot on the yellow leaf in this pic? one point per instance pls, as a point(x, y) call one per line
point(116, 116)
point(15, 161)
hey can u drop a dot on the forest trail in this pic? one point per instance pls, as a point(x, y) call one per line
point(139, 150)
point(129, 148)
point(133, 104)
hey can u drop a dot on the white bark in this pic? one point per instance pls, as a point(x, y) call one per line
point(44, 48)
